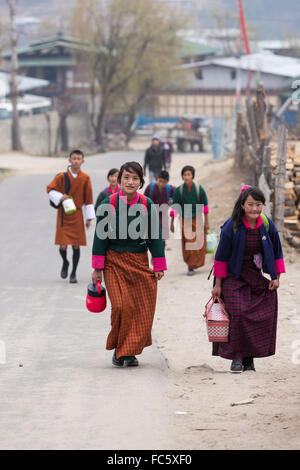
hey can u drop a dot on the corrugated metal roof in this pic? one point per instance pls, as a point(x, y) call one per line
point(265, 63)
point(47, 43)
point(23, 83)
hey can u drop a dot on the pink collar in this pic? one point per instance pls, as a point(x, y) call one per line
point(115, 191)
point(124, 198)
point(258, 224)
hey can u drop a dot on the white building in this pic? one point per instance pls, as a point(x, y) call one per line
point(212, 85)
point(27, 103)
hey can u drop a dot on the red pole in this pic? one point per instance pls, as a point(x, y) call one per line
point(245, 37)
point(243, 27)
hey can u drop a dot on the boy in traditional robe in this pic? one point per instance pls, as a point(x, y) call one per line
point(188, 196)
point(70, 228)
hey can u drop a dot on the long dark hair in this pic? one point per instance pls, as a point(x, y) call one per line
point(238, 212)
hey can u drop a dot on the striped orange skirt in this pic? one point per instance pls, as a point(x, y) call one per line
point(132, 290)
point(193, 255)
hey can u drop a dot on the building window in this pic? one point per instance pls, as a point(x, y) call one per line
point(199, 74)
point(233, 74)
point(49, 73)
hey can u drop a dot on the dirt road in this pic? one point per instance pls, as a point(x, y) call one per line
point(189, 404)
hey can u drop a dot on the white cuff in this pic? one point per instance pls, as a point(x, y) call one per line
point(89, 212)
point(55, 197)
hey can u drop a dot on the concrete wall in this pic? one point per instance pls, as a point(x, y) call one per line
point(204, 104)
point(34, 133)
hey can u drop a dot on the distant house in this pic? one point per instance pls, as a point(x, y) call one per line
point(212, 84)
point(27, 103)
point(25, 84)
point(54, 59)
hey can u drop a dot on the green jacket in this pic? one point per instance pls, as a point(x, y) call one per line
point(191, 199)
point(113, 234)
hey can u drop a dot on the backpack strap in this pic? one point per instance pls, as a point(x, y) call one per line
point(144, 203)
point(67, 183)
point(67, 190)
point(181, 191)
point(151, 188)
point(113, 202)
point(168, 190)
point(265, 221)
point(197, 191)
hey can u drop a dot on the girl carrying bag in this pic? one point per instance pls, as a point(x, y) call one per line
point(217, 321)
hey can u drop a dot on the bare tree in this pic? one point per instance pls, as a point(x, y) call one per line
point(156, 75)
point(225, 23)
point(14, 67)
point(292, 47)
point(64, 105)
point(123, 35)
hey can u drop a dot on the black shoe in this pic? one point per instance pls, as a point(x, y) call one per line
point(64, 270)
point(248, 363)
point(237, 366)
point(117, 362)
point(73, 279)
point(131, 362)
point(191, 272)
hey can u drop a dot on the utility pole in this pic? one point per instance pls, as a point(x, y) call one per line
point(14, 66)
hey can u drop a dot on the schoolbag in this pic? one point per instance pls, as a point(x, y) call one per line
point(265, 223)
point(168, 189)
point(67, 190)
point(197, 191)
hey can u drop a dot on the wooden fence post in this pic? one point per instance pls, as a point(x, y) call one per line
point(239, 140)
point(280, 175)
point(265, 182)
point(252, 125)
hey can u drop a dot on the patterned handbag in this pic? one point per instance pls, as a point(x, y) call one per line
point(217, 321)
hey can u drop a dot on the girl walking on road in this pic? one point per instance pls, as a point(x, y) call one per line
point(189, 196)
point(249, 244)
point(123, 258)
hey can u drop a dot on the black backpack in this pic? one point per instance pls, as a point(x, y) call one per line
point(67, 190)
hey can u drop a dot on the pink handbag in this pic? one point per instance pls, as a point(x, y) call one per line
point(217, 321)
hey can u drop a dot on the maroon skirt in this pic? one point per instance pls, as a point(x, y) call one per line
point(252, 308)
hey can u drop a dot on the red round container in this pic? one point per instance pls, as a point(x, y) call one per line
point(96, 298)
